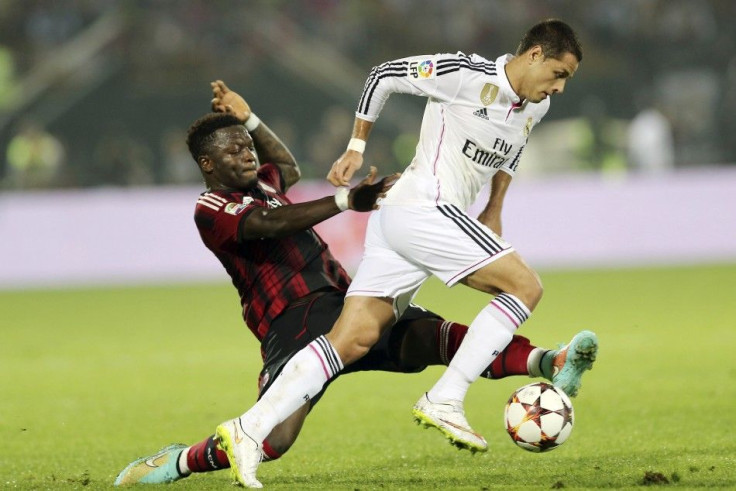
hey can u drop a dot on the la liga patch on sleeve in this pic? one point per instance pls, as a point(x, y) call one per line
point(422, 68)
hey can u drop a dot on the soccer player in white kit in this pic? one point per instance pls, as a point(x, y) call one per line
point(477, 120)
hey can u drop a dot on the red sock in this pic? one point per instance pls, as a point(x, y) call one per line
point(511, 361)
point(268, 452)
point(205, 456)
point(449, 337)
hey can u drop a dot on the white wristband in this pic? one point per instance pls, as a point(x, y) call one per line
point(357, 144)
point(252, 122)
point(341, 198)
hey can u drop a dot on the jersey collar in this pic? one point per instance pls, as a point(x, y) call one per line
point(503, 80)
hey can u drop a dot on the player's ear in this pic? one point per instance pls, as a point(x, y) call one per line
point(205, 163)
point(535, 53)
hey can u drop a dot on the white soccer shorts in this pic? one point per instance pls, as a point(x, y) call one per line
point(404, 245)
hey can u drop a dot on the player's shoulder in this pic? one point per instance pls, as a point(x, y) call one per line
point(476, 58)
point(461, 55)
point(212, 201)
point(472, 64)
point(458, 57)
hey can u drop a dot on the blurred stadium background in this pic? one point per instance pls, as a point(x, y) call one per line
point(96, 97)
point(634, 166)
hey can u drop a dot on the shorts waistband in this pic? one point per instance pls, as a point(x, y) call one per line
point(310, 297)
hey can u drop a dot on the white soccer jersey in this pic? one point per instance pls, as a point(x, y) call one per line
point(474, 124)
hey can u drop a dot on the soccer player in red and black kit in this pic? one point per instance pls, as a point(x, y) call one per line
point(291, 287)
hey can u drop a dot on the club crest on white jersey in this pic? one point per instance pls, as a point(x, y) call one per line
point(528, 126)
point(488, 94)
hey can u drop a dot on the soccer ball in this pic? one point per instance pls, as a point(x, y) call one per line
point(539, 417)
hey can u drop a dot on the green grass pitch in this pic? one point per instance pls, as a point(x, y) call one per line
point(93, 378)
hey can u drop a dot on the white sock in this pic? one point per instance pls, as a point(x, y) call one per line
point(533, 363)
point(301, 379)
point(183, 468)
point(489, 334)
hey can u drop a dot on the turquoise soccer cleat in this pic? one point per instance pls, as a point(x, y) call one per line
point(156, 469)
point(573, 360)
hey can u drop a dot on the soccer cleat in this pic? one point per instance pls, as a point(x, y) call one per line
point(242, 451)
point(573, 360)
point(449, 418)
point(156, 469)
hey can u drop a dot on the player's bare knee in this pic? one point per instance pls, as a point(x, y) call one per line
point(535, 296)
point(529, 289)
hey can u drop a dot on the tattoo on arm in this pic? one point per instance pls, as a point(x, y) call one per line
point(286, 220)
point(271, 149)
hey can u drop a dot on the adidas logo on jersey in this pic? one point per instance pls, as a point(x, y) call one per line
point(481, 113)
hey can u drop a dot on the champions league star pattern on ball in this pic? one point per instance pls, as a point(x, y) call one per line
point(539, 417)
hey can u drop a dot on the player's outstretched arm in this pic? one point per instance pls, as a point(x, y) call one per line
point(287, 220)
point(269, 147)
point(384, 80)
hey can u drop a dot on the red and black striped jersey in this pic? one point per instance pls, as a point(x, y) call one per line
point(268, 273)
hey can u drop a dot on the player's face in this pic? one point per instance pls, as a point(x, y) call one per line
point(547, 76)
point(233, 159)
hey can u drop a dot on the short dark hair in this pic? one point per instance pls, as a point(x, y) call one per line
point(555, 37)
point(201, 132)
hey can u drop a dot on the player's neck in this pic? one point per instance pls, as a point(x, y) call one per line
point(514, 70)
point(218, 186)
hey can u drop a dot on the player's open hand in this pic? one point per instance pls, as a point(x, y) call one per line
point(363, 197)
point(344, 168)
point(226, 101)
